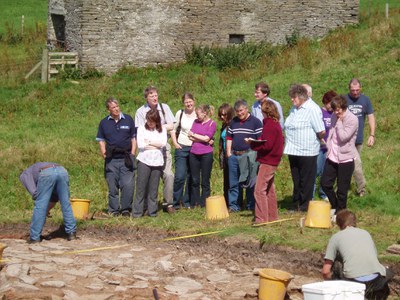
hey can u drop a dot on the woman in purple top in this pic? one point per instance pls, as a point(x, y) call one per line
point(326, 117)
point(201, 154)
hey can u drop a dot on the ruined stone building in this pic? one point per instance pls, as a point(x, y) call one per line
point(109, 34)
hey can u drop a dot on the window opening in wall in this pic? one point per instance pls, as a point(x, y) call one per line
point(236, 38)
point(59, 29)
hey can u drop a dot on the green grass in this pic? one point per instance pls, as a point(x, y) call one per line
point(34, 12)
point(58, 122)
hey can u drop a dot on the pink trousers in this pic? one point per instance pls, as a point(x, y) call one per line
point(266, 209)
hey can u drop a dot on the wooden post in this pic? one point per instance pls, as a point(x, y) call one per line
point(387, 10)
point(22, 24)
point(45, 66)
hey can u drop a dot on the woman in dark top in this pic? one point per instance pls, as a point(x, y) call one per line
point(225, 115)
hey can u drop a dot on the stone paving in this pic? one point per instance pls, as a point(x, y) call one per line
point(90, 268)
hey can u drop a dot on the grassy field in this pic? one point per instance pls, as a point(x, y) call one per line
point(34, 14)
point(58, 122)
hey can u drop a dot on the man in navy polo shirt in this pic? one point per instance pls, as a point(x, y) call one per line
point(361, 106)
point(117, 139)
point(244, 125)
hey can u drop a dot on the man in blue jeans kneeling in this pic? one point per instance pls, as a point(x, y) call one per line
point(47, 182)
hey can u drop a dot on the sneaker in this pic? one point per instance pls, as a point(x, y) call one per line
point(361, 194)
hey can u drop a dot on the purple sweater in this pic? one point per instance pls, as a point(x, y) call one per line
point(207, 129)
point(326, 117)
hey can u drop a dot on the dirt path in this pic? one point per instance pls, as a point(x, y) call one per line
point(126, 263)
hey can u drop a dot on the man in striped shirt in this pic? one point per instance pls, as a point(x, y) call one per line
point(304, 130)
point(244, 125)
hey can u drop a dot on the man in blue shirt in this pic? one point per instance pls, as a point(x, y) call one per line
point(261, 93)
point(361, 106)
point(117, 139)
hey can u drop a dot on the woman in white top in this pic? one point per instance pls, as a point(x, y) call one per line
point(151, 139)
point(185, 118)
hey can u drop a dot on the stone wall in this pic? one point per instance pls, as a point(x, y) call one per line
point(111, 33)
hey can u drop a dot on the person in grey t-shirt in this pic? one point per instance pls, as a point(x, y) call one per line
point(351, 255)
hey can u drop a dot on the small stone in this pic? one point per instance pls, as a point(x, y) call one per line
point(27, 279)
point(140, 285)
point(53, 283)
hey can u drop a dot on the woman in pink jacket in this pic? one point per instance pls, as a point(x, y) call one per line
point(342, 152)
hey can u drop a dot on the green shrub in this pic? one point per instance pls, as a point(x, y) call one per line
point(234, 56)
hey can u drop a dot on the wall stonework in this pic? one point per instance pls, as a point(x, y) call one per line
point(109, 34)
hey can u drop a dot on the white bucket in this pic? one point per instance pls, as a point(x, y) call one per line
point(334, 290)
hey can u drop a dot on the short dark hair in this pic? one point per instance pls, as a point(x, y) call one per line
point(355, 81)
point(345, 218)
point(111, 100)
point(264, 87)
point(239, 103)
point(339, 101)
point(328, 96)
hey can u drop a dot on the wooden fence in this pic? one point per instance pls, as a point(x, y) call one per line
point(53, 62)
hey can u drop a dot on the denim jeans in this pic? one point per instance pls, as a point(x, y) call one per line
point(320, 168)
point(119, 178)
point(52, 179)
point(200, 167)
point(182, 180)
point(235, 193)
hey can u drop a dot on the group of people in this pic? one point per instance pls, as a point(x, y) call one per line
point(322, 142)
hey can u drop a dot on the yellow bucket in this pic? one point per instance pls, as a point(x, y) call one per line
point(318, 214)
point(216, 208)
point(273, 284)
point(80, 208)
point(2, 247)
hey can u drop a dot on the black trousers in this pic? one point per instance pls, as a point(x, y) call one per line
point(341, 174)
point(376, 289)
point(303, 169)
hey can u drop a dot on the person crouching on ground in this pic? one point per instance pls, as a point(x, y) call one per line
point(47, 182)
point(351, 255)
point(151, 139)
point(269, 154)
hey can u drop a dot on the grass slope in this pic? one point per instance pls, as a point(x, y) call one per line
point(58, 122)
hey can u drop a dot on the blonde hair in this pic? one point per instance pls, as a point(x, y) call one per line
point(208, 109)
